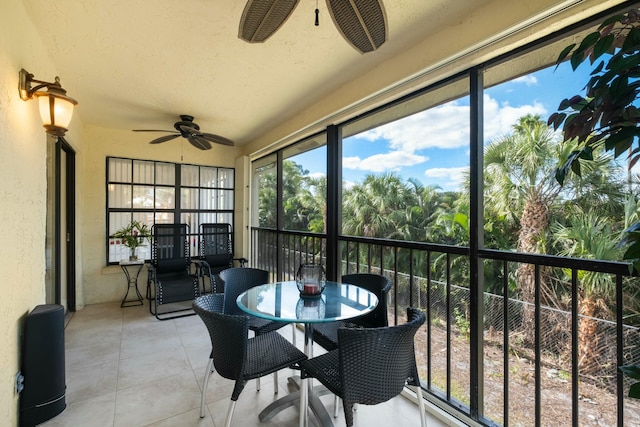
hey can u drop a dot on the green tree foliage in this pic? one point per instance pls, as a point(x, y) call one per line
point(303, 198)
point(608, 112)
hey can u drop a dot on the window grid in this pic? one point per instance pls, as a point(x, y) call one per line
point(160, 192)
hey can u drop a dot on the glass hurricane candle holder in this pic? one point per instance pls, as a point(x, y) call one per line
point(310, 280)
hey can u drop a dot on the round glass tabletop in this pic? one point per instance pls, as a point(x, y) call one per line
point(282, 302)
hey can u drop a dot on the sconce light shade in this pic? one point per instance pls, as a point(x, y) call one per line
point(56, 108)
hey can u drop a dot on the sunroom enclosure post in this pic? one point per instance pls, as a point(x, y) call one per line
point(476, 241)
point(334, 207)
point(279, 216)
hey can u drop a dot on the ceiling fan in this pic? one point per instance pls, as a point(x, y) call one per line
point(186, 128)
point(361, 22)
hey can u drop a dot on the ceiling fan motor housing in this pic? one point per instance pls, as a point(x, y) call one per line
point(185, 121)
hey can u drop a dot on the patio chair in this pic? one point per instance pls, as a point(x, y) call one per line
point(170, 272)
point(370, 366)
point(236, 280)
point(237, 357)
point(326, 334)
point(213, 303)
point(216, 253)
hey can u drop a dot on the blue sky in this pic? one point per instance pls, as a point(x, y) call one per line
point(432, 146)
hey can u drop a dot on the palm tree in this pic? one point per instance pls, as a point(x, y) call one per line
point(520, 187)
point(589, 235)
point(376, 207)
point(518, 168)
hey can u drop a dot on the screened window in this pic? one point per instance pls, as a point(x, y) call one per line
point(403, 165)
point(153, 192)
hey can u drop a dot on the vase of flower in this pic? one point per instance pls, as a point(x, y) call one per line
point(133, 236)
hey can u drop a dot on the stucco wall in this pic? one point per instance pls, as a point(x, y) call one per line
point(23, 189)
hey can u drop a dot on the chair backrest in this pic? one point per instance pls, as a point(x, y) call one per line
point(170, 248)
point(237, 280)
point(380, 286)
point(216, 244)
point(210, 302)
point(376, 363)
point(228, 335)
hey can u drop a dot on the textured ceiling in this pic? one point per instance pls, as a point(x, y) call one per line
point(139, 64)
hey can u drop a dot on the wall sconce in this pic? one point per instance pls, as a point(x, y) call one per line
point(56, 108)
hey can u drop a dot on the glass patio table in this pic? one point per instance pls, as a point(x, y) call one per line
point(282, 302)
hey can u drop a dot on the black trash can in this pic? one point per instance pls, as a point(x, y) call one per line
point(43, 366)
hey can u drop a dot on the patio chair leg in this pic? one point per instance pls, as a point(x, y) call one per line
point(336, 402)
point(275, 382)
point(205, 384)
point(257, 384)
point(423, 415)
point(232, 406)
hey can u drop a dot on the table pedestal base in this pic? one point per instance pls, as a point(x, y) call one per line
point(293, 399)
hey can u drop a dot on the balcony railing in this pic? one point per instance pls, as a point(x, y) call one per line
point(546, 357)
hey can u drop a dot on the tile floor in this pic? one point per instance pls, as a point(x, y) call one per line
point(124, 368)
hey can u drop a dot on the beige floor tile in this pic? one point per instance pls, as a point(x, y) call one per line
point(105, 351)
point(187, 419)
point(93, 412)
point(88, 381)
point(84, 338)
point(194, 335)
point(140, 344)
point(154, 366)
point(198, 355)
point(249, 405)
point(156, 401)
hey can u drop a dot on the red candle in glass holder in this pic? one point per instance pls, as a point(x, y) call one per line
point(310, 288)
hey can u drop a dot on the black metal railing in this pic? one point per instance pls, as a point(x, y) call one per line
point(543, 361)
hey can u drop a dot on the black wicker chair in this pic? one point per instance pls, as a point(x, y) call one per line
point(239, 358)
point(236, 280)
point(216, 253)
point(370, 366)
point(170, 272)
point(326, 334)
point(211, 303)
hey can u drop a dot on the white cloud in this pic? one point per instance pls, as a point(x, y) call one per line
point(383, 162)
point(499, 119)
point(529, 80)
point(455, 175)
point(447, 126)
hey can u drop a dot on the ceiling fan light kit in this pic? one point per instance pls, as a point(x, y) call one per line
point(363, 23)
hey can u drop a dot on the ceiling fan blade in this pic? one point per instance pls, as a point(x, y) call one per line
point(260, 18)
point(362, 23)
point(190, 130)
point(153, 130)
point(199, 142)
point(164, 139)
point(217, 139)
